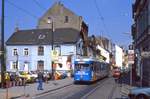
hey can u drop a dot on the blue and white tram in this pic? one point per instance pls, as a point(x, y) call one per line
point(89, 70)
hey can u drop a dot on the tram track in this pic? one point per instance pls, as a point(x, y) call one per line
point(100, 84)
point(73, 91)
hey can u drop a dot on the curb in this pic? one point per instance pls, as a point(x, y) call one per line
point(42, 92)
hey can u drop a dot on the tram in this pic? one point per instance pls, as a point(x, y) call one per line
point(89, 70)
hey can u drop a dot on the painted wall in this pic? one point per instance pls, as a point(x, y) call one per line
point(33, 58)
point(118, 56)
point(104, 53)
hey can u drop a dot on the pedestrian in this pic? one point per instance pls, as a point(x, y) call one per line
point(7, 79)
point(12, 79)
point(40, 81)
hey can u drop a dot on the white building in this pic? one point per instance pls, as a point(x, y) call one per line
point(118, 56)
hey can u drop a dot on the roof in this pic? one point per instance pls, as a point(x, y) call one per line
point(43, 37)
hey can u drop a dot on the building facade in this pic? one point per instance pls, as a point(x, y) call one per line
point(141, 37)
point(62, 17)
point(31, 50)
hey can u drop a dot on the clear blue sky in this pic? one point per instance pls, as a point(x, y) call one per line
point(117, 15)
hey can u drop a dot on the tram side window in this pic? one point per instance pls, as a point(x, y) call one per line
point(91, 65)
point(98, 66)
point(94, 65)
point(102, 67)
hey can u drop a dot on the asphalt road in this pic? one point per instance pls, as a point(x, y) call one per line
point(79, 91)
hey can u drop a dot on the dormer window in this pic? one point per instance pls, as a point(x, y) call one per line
point(41, 36)
point(66, 19)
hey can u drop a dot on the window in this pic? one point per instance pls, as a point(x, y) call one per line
point(15, 52)
point(26, 51)
point(66, 19)
point(14, 65)
point(40, 50)
point(40, 65)
point(142, 21)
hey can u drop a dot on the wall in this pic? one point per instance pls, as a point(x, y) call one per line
point(32, 58)
point(57, 13)
point(118, 56)
point(67, 49)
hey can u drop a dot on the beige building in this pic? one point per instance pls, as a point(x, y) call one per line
point(61, 16)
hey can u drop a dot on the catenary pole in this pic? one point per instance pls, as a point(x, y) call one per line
point(3, 67)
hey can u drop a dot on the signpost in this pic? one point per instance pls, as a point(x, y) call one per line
point(130, 62)
point(131, 56)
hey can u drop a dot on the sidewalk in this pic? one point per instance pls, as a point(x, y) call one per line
point(121, 91)
point(31, 89)
point(122, 88)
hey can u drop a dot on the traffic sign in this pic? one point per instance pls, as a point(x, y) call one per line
point(54, 54)
point(131, 56)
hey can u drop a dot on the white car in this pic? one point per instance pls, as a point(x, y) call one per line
point(139, 93)
point(34, 75)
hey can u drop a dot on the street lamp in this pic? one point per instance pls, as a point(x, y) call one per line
point(50, 21)
point(17, 61)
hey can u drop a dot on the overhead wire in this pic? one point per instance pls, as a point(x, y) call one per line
point(23, 10)
point(101, 17)
point(38, 4)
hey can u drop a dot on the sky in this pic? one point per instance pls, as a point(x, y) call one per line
point(109, 18)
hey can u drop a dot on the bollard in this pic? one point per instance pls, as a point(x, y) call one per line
point(7, 84)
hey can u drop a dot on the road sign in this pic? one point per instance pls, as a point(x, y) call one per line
point(131, 56)
point(54, 54)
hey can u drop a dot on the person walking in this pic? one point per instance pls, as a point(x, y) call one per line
point(40, 81)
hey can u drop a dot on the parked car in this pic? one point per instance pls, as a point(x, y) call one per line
point(28, 76)
point(33, 74)
point(139, 93)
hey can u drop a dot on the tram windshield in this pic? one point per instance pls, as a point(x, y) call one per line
point(82, 67)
